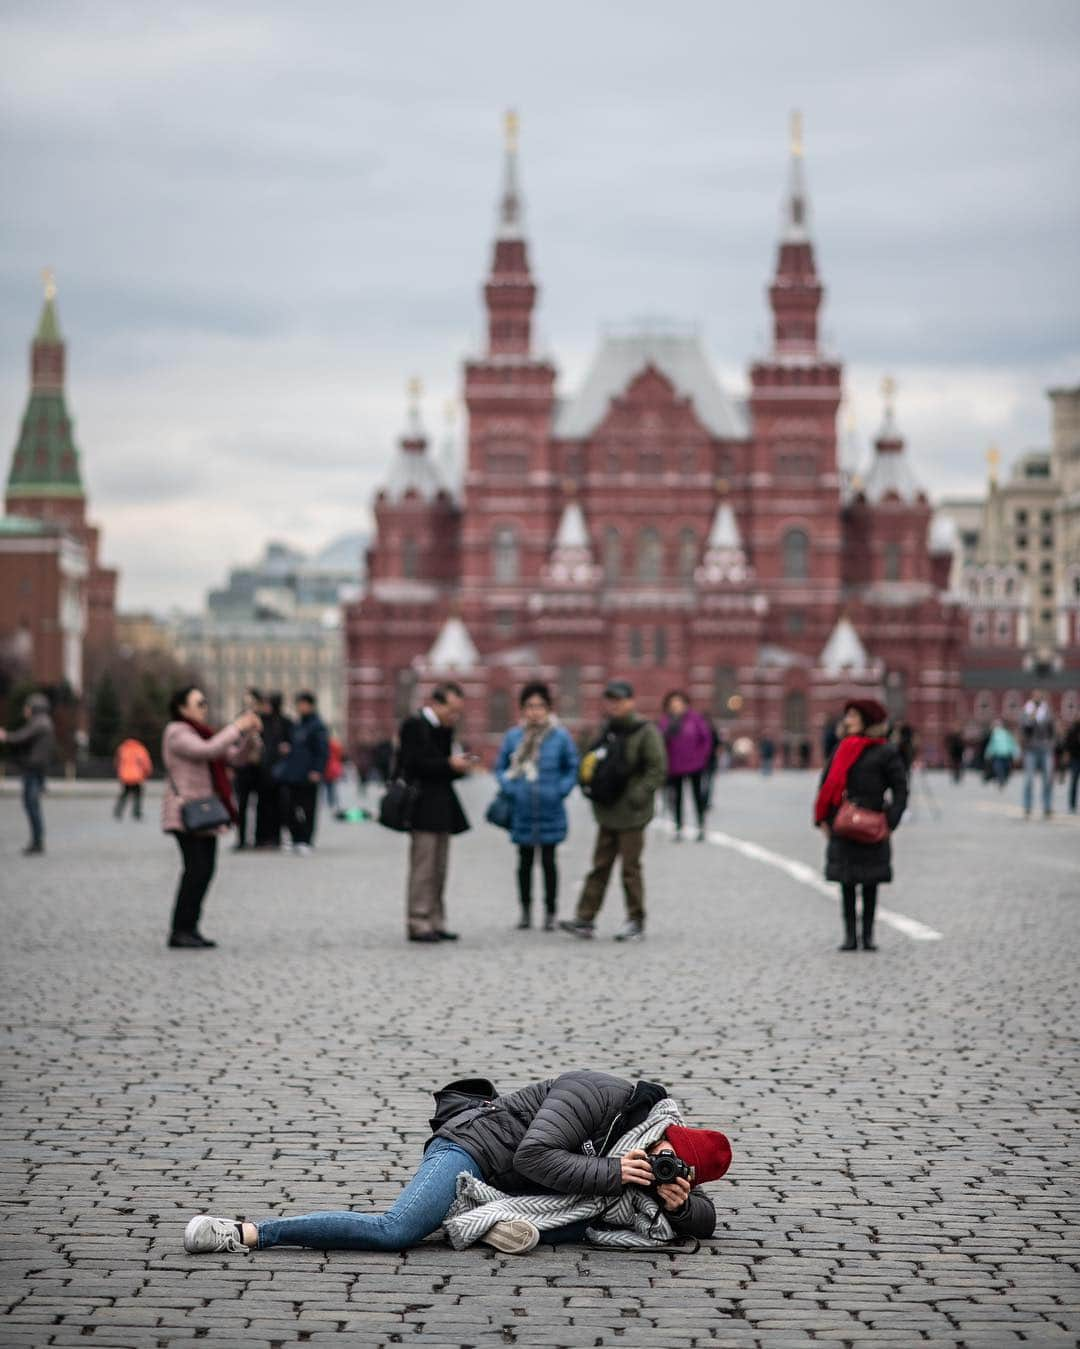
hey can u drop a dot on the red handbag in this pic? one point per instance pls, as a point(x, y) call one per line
point(858, 824)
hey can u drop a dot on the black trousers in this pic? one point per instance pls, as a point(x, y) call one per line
point(246, 784)
point(199, 854)
point(268, 813)
point(697, 789)
point(526, 859)
point(134, 791)
point(869, 908)
point(303, 801)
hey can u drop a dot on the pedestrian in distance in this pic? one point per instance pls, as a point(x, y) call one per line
point(300, 771)
point(1071, 746)
point(690, 746)
point(766, 754)
point(537, 769)
point(276, 740)
point(621, 774)
point(33, 743)
point(196, 760)
point(133, 766)
point(334, 771)
point(867, 771)
point(247, 779)
point(955, 749)
point(583, 1156)
point(1037, 739)
point(431, 762)
point(1001, 753)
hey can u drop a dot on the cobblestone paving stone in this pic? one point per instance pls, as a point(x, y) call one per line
point(903, 1123)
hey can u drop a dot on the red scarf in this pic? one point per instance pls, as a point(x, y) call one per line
point(219, 774)
point(831, 792)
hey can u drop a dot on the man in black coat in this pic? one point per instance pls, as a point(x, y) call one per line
point(429, 761)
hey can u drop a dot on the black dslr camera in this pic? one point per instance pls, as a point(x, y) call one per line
point(666, 1167)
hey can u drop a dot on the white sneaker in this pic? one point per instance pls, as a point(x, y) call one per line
point(630, 931)
point(204, 1235)
point(513, 1236)
point(303, 850)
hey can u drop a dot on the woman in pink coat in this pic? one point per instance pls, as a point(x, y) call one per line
point(196, 762)
point(690, 746)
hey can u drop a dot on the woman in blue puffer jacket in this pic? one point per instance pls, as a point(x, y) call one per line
point(537, 768)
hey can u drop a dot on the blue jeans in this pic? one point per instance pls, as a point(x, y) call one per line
point(33, 784)
point(1039, 760)
point(417, 1212)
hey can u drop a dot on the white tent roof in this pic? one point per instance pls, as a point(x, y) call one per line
point(844, 650)
point(680, 357)
point(572, 531)
point(725, 529)
point(453, 648)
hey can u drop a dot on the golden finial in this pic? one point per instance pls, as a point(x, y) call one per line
point(415, 388)
point(511, 125)
point(993, 458)
point(796, 135)
point(888, 392)
point(49, 277)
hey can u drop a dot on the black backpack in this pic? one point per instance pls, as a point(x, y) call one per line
point(606, 768)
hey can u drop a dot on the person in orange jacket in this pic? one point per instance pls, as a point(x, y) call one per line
point(133, 766)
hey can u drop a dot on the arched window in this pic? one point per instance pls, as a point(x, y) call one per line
point(404, 693)
point(725, 691)
point(796, 555)
point(688, 554)
point(637, 646)
point(660, 646)
point(892, 562)
point(409, 558)
point(612, 555)
point(570, 691)
point(506, 558)
point(795, 712)
point(650, 555)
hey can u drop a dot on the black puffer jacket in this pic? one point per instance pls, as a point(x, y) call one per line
point(878, 771)
point(555, 1136)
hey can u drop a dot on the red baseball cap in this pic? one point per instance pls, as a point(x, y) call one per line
point(706, 1150)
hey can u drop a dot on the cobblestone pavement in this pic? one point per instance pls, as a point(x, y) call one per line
point(903, 1123)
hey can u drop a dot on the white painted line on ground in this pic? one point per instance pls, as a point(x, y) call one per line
point(806, 875)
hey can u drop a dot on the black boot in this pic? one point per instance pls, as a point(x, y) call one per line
point(869, 906)
point(847, 905)
point(526, 917)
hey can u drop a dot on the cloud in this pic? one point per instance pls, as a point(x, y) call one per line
point(266, 217)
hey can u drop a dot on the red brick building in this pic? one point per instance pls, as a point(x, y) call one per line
point(45, 485)
point(654, 526)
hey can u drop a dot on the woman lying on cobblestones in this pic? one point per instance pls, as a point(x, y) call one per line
point(864, 769)
point(572, 1158)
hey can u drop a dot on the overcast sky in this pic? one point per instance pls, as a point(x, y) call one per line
point(264, 218)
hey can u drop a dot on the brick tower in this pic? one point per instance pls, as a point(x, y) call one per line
point(45, 482)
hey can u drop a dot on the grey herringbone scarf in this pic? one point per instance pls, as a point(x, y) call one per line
point(633, 1219)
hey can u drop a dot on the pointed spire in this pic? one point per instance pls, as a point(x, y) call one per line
point(414, 437)
point(795, 294)
point(510, 293)
point(46, 461)
point(796, 205)
point(448, 456)
point(890, 473)
point(511, 210)
point(572, 531)
point(725, 528)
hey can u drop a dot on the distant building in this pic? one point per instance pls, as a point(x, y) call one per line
point(45, 484)
point(653, 525)
point(276, 625)
point(1018, 570)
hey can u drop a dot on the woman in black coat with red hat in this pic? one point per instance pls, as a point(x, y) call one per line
point(869, 772)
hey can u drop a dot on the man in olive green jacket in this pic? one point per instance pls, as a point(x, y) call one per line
point(621, 832)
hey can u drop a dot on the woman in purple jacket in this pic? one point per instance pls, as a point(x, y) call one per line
point(690, 747)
